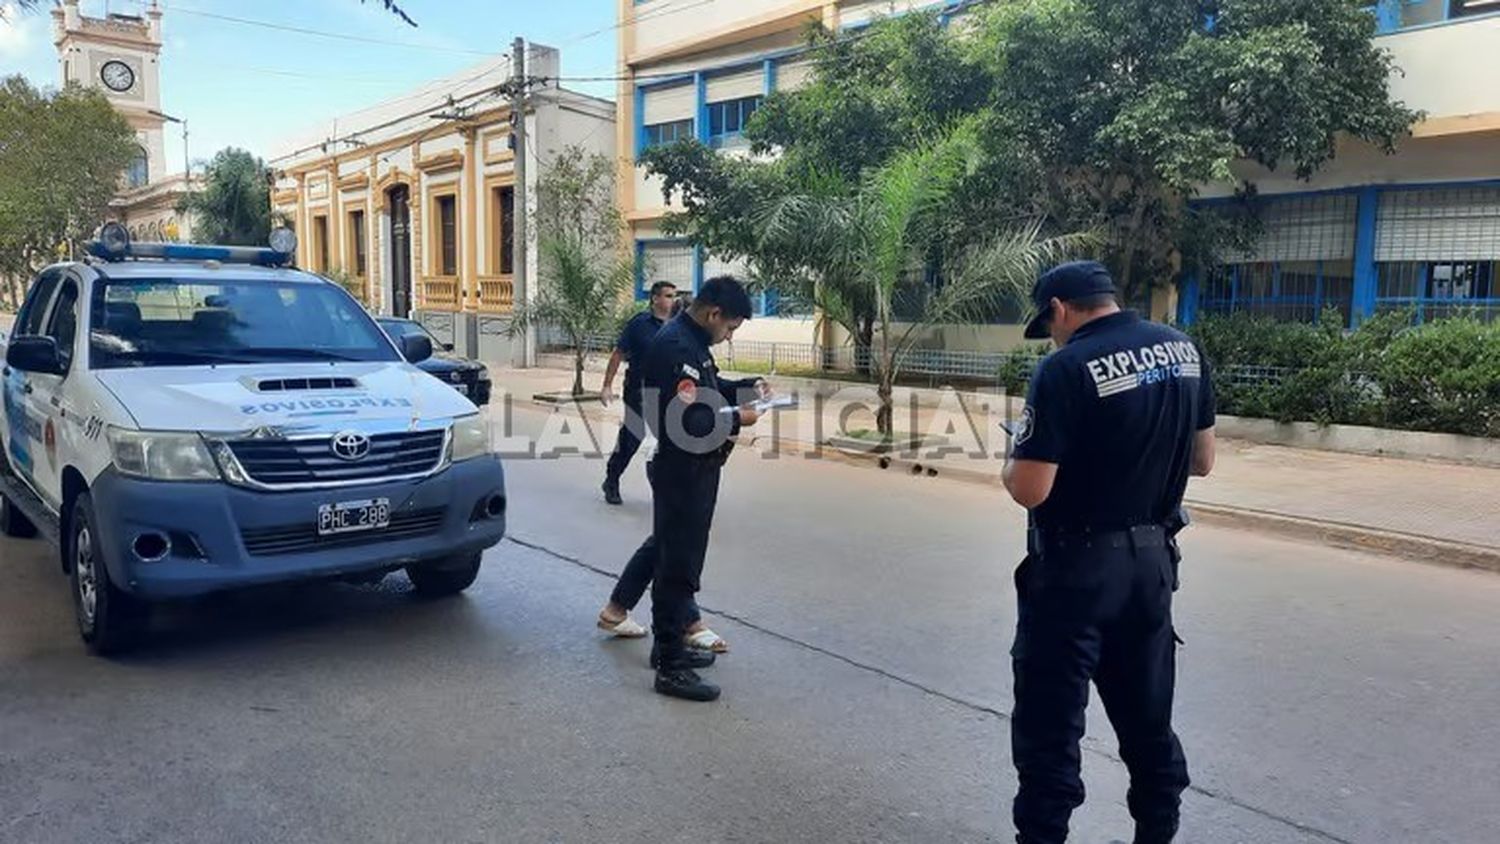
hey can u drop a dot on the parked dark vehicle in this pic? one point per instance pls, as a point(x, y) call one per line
point(469, 377)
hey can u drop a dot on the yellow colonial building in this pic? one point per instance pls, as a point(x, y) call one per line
point(412, 201)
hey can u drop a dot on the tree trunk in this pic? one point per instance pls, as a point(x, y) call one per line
point(883, 417)
point(887, 383)
point(864, 340)
point(578, 370)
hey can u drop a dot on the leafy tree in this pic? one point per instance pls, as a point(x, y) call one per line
point(1125, 107)
point(1095, 115)
point(584, 284)
point(867, 245)
point(234, 205)
point(61, 156)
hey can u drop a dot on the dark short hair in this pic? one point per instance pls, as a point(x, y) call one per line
point(1095, 302)
point(659, 286)
point(727, 294)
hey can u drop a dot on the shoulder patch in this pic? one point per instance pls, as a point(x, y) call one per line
point(1026, 425)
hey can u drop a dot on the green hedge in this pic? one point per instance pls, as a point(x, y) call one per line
point(1443, 376)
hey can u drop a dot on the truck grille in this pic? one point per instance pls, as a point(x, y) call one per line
point(302, 538)
point(312, 461)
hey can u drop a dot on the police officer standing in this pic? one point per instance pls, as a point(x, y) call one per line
point(1116, 420)
point(631, 348)
point(693, 414)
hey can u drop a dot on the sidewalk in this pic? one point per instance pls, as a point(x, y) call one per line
point(1436, 511)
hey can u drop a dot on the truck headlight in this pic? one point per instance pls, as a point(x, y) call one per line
point(161, 455)
point(484, 373)
point(471, 438)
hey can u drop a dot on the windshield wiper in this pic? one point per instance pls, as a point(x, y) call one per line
point(169, 357)
point(275, 353)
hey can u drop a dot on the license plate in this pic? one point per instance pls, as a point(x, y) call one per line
point(354, 516)
point(463, 389)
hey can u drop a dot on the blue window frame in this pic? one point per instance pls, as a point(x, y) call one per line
point(727, 119)
point(657, 134)
point(1394, 15)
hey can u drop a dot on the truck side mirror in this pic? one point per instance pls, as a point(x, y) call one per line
point(34, 354)
point(415, 347)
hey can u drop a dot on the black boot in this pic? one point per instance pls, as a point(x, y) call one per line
point(611, 489)
point(686, 684)
point(685, 659)
point(1161, 834)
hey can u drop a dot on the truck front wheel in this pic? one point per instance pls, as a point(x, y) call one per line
point(109, 620)
point(447, 576)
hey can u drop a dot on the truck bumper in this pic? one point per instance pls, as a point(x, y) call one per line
point(220, 537)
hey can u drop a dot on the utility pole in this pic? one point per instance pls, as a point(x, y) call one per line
point(520, 282)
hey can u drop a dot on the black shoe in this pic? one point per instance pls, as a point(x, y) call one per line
point(612, 491)
point(686, 684)
point(688, 659)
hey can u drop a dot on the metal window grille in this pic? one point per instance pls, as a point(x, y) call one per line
point(668, 261)
point(1302, 265)
point(1436, 252)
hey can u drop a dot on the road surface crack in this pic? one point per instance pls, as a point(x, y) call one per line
point(971, 705)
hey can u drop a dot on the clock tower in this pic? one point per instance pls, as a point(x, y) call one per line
point(120, 55)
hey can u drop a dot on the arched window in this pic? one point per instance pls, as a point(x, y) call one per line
point(137, 174)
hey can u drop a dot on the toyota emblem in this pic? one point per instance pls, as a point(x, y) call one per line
point(350, 445)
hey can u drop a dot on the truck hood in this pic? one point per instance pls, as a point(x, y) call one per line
point(242, 398)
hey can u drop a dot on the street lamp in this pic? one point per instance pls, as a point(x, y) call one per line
point(187, 168)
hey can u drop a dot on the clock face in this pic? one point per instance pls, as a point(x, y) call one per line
point(117, 76)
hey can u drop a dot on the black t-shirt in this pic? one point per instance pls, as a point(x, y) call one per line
point(634, 340)
point(1116, 409)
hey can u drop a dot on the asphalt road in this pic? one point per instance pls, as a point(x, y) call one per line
point(1325, 695)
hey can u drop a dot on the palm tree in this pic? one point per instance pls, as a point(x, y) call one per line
point(581, 294)
point(861, 248)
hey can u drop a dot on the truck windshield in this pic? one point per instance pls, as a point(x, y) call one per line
point(168, 322)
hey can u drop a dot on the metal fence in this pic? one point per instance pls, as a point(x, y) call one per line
point(1012, 369)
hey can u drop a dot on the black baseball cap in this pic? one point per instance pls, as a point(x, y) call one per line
point(1073, 280)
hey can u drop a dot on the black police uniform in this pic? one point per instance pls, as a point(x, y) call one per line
point(1116, 409)
point(683, 400)
point(632, 345)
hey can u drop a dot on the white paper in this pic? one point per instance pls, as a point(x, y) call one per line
point(763, 406)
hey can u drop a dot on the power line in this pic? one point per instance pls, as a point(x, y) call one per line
point(321, 33)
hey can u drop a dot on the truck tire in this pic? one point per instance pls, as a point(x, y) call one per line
point(448, 576)
point(13, 522)
point(109, 620)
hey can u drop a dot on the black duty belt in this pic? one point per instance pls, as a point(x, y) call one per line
point(1139, 536)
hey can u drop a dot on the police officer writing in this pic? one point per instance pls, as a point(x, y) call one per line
point(631, 348)
point(693, 414)
point(1116, 420)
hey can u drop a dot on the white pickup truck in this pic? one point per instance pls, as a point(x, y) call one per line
point(186, 419)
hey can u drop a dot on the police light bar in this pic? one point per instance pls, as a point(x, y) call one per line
point(114, 245)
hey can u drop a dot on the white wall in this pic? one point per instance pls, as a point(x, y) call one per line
point(665, 22)
point(1450, 69)
point(1454, 158)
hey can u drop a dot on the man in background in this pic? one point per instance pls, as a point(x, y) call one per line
point(631, 348)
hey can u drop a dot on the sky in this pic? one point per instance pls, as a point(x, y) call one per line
point(251, 86)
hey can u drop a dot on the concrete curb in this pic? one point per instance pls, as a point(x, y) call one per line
point(1427, 549)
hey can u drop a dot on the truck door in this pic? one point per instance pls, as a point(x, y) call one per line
point(23, 433)
point(46, 395)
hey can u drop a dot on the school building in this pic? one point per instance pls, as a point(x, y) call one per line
point(1418, 229)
